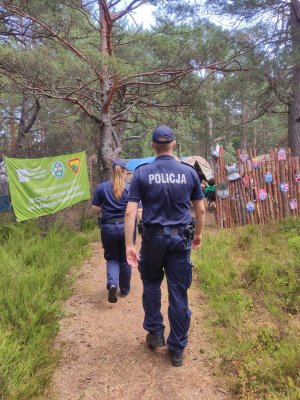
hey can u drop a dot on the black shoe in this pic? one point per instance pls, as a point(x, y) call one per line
point(112, 298)
point(124, 294)
point(154, 341)
point(176, 358)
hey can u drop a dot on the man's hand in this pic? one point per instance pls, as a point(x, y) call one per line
point(196, 243)
point(200, 214)
point(132, 256)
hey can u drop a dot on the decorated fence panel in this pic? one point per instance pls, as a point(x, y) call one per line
point(256, 189)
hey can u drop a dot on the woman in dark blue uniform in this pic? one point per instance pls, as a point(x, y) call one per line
point(110, 199)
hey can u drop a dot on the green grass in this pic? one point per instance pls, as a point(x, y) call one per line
point(252, 278)
point(34, 281)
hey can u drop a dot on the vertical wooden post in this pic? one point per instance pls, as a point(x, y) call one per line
point(261, 204)
point(270, 198)
point(250, 196)
point(275, 185)
point(279, 180)
point(255, 187)
point(242, 189)
point(217, 166)
point(289, 176)
point(284, 195)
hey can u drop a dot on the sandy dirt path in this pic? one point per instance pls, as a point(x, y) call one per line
point(104, 355)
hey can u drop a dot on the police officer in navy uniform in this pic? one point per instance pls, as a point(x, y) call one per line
point(110, 198)
point(166, 186)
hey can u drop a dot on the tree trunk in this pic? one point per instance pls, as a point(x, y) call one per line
point(210, 128)
point(255, 138)
point(108, 145)
point(294, 104)
point(28, 117)
point(244, 142)
point(107, 149)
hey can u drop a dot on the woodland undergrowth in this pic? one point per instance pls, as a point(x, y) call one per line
point(251, 276)
point(35, 279)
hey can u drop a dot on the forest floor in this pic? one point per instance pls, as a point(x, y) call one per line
point(104, 355)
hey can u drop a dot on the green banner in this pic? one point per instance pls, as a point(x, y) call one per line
point(44, 186)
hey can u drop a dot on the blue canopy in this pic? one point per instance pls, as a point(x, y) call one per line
point(135, 162)
point(206, 169)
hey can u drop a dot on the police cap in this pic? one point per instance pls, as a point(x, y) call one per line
point(163, 134)
point(120, 163)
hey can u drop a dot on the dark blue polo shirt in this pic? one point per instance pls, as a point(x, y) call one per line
point(110, 206)
point(165, 188)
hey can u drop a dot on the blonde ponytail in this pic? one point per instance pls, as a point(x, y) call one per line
point(118, 181)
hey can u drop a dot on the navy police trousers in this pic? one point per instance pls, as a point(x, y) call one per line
point(168, 255)
point(118, 270)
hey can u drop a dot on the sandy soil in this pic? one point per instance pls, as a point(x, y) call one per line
point(104, 355)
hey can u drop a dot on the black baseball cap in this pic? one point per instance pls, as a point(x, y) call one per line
point(163, 134)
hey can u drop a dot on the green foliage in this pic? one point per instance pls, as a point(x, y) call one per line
point(88, 224)
point(252, 279)
point(65, 73)
point(33, 284)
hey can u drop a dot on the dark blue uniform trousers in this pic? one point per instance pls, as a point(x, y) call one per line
point(169, 255)
point(118, 270)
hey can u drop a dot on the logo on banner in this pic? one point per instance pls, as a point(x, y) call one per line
point(262, 194)
point(74, 164)
point(31, 174)
point(58, 169)
point(23, 175)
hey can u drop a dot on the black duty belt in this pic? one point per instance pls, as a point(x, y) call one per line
point(163, 231)
point(112, 220)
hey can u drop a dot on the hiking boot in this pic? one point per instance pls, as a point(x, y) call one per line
point(176, 358)
point(154, 341)
point(112, 298)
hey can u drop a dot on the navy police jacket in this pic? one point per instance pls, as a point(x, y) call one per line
point(105, 198)
point(165, 187)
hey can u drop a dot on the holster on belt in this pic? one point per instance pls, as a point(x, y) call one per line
point(189, 230)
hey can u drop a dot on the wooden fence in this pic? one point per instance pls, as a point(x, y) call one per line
point(262, 188)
